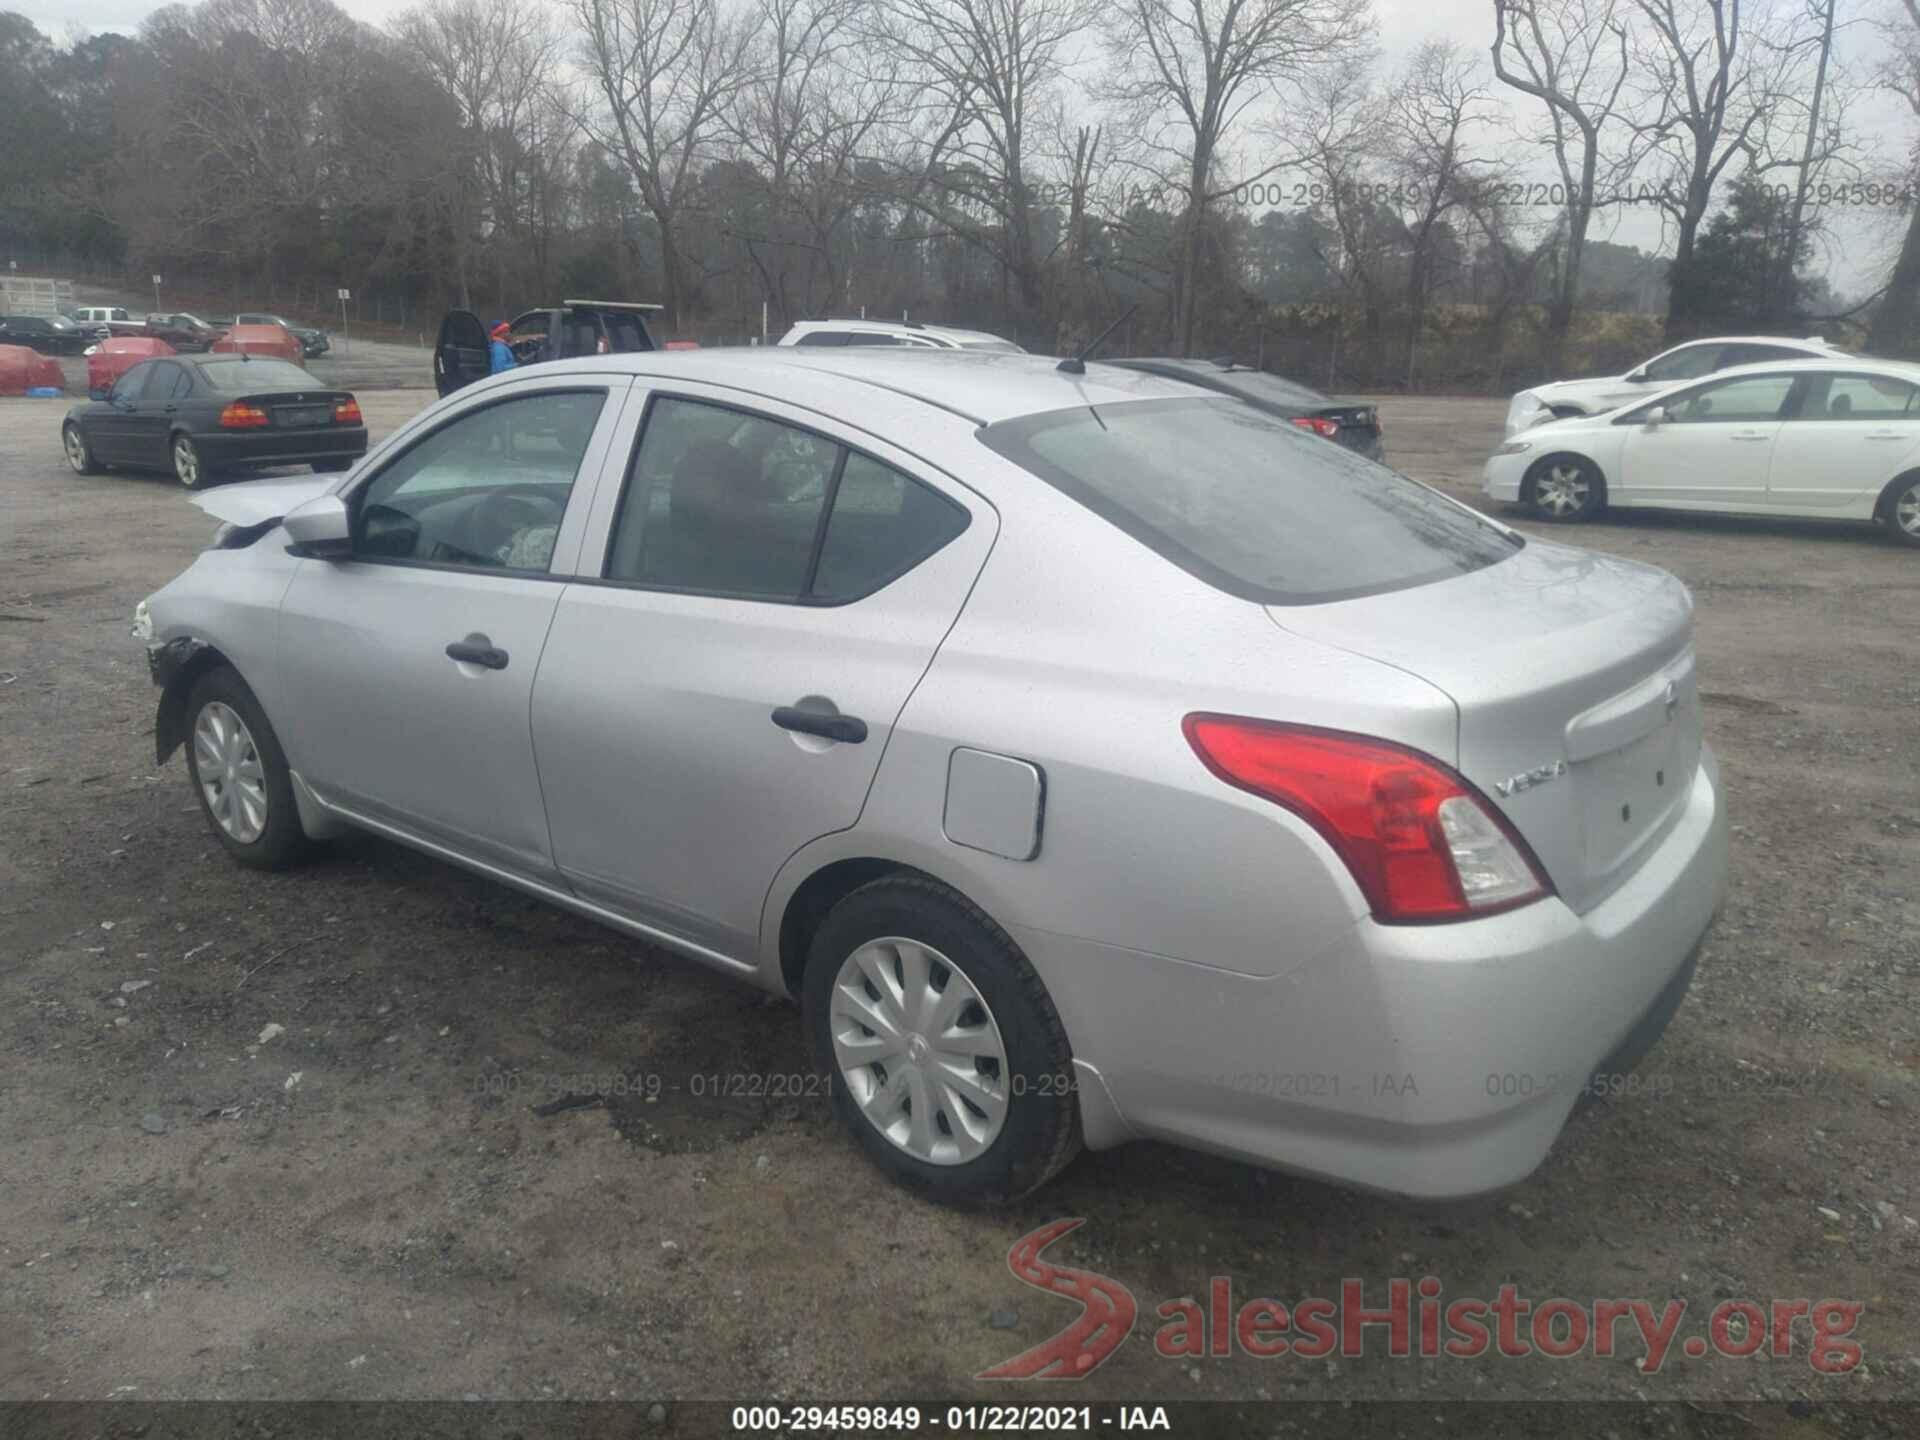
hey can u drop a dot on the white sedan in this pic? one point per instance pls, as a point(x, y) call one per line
point(1829, 438)
point(1695, 360)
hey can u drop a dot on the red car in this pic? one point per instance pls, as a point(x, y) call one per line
point(113, 357)
point(23, 370)
point(273, 340)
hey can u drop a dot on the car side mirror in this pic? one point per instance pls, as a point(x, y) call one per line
point(1657, 415)
point(1637, 377)
point(99, 392)
point(320, 529)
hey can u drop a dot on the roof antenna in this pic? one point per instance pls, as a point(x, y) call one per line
point(1077, 364)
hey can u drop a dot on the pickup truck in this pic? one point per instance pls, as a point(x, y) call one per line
point(558, 332)
point(100, 321)
point(183, 331)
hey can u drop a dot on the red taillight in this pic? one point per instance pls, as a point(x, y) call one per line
point(242, 416)
point(1326, 429)
point(1420, 842)
point(347, 412)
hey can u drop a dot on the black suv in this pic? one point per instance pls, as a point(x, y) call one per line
point(560, 332)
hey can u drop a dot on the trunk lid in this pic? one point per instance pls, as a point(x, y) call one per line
point(1573, 677)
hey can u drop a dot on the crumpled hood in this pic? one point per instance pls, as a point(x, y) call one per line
point(255, 502)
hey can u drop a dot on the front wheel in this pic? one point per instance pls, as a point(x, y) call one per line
point(188, 468)
point(946, 1057)
point(1565, 488)
point(79, 453)
point(1902, 510)
point(240, 774)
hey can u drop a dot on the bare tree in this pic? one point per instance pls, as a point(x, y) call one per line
point(1345, 126)
point(1698, 68)
point(1191, 68)
point(1437, 107)
point(983, 68)
point(493, 57)
point(664, 73)
point(1896, 320)
point(1571, 56)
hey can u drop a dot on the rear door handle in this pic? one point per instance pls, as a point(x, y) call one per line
point(847, 729)
point(1887, 435)
point(477, 649)
point(1750, 437)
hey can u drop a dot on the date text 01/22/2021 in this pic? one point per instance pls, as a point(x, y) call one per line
point(958, 1419)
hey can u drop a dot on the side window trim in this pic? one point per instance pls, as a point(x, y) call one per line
point(624, 472)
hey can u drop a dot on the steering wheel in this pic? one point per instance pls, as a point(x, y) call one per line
point(498, 518)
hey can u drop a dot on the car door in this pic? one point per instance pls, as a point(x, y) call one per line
point(460, 352)
point(1850, 434)
point(1670, 367)
point(1712, 450)
point(406, 671)
point(149, 423)
point(771, 586)
point(110, 423)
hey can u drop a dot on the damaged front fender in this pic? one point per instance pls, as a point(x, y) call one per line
point(174, 665)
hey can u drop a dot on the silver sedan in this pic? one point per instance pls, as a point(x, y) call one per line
point(1091, 758)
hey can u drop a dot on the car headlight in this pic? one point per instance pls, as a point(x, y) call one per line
point(142, 622)
point(1514, 447)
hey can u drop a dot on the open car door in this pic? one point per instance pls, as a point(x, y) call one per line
point(460, 354)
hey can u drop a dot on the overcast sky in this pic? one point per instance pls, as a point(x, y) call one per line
point(1856, 253)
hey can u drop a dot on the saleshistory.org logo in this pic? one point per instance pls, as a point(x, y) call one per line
point(1413, 1321)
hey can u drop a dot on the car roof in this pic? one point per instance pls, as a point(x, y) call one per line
point(1839, 363)
point(896, 327)
point(1815, 342)
point(980, 386)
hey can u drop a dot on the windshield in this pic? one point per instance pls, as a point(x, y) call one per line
point(239, 376)
point(1249, 503)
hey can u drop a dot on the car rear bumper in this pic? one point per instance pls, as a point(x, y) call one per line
point(1433, 1061)
point(288, 447)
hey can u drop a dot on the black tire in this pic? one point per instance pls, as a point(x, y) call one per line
point(280, 842)
point(1564, 489)
point(1041, 1130)
point(331, 467)
point(1900, 509)
point(189, 468)
point(79, 453)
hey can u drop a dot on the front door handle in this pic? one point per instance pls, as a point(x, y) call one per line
point(847, 729)
point(477, 649)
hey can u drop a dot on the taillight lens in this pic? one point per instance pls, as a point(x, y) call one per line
point(242, 416)
point(1421, 843)
point(1319, 425)
point(347, 412)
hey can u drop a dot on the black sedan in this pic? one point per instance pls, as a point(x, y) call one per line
point(201, 417)
point(1355, 426)
point(312, 342)
point(55, 335)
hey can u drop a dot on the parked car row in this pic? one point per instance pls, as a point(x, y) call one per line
point(1751, 425)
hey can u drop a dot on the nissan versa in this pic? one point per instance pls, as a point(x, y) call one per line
point(1092, 758)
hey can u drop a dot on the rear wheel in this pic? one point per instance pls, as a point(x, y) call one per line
point(1901, 509)
point(188, 468)
point(79, 453)
point(1565, 488)
point(240, 774)
point(947, 1059)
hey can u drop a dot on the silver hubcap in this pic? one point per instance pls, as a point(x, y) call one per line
point(1906, 510)
point(186, 464)
point(919, 1051)
point(76, 450)
point(227, 764)
point(1561, 490)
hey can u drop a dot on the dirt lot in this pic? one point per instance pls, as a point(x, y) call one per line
point(367, 1204)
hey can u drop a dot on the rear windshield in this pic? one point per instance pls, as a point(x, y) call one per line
point(1248, 502)
point(237, 376)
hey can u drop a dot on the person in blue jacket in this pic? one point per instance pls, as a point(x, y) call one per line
point(499, 352)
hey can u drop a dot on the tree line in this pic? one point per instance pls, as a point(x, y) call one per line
point(1244, 172)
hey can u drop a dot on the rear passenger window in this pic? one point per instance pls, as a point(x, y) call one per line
point(723, 502)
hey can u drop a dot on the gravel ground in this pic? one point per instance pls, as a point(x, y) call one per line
point(275, 1136)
